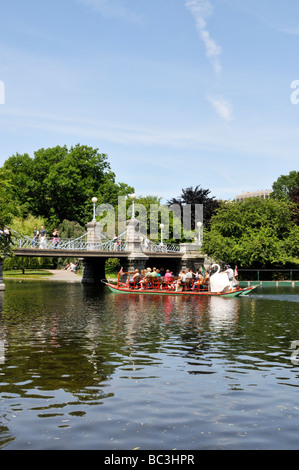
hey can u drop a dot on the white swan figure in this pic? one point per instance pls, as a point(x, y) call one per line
point(219, 281)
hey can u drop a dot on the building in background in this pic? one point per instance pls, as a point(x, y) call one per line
point(264, 194)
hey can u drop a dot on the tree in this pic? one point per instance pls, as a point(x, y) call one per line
point(285, 186)
point(70, 229)
point(7, 209)
point(24, 227)
point(195, 196)
point(58, 183)
point(294, 196)
point(253, 233)
point(8, 206)
point(148, 212)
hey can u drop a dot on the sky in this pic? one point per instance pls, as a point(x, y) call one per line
point(177, 93)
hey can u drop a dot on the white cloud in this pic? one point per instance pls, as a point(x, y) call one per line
point(112, 8)
point(287, 30)
point(222, 107)
point(202, 9)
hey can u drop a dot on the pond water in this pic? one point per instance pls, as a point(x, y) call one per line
point(83, 368)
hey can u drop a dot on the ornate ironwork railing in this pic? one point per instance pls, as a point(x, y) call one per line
point(81, 244)
point(69, 244)
point(151, 247)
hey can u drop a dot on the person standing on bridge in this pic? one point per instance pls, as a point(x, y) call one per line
point(43, 238)
point(55, 238)
point(34, 243)
point(114, 241)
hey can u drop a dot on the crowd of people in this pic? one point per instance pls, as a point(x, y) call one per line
point(117, 243)
point(40, 238)
point(72, 267)
point(155, 279)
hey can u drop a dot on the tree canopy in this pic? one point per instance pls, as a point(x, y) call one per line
point(195, 196)
point(7, 207)
point(285, 185)
point(286, 188)
point(7, 211)
point(58, 183)
point(253, 233)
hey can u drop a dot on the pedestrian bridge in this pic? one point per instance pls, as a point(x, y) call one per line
point(24, 244)
point(133, 248)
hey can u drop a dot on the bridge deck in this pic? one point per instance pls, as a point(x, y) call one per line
point(56, 253)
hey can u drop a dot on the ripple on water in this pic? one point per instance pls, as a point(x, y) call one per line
point(99, 371)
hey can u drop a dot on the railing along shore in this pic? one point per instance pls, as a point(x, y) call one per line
point(256, 274)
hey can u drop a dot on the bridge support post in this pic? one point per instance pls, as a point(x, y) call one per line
point(94, 234)
point(137, 259)
point(93, 270)
point(2, 285)
point(192, 258)
point(134, 262)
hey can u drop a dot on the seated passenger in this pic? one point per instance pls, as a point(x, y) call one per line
point(148, 277)
point(135, 279)
point(198, 282)
point(188, 279)
point(154, 273)
point(143, 280)
point(181, 280)
point(168, 276)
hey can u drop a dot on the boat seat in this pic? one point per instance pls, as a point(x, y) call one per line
point(155, 283)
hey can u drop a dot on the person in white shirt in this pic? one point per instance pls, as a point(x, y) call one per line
point(230, 274)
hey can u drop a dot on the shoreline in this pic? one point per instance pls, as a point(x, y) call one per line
point(269, 283)
point(63, 275)
point(54, 275)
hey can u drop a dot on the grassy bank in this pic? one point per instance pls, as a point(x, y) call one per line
point(29, 274)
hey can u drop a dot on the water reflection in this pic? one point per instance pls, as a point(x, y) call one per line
point(115, 361)
point(224, 315)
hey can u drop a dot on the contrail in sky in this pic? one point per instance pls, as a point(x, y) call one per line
point(201, 10)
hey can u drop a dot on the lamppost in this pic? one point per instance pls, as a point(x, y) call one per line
point(133, 197)
point(199, 225)
point(94, 201)
point(161, 227)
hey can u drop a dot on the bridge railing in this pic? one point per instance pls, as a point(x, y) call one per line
point(69, 244)
point(81, 244)
point(151, 247)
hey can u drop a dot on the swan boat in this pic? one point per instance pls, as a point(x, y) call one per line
point(218, 286)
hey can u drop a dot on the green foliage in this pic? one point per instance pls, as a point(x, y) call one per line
point(193, 197)
point(24, 262)
point(112, 265)
point(7, 205)
point(151, 213)
point(286, 188)
point(148, 210)
point(285, 185)
point(5, 243)
point(253, 233)
point(58, 183)
point(25, 226)
point(70, 229)
point(7, 209)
